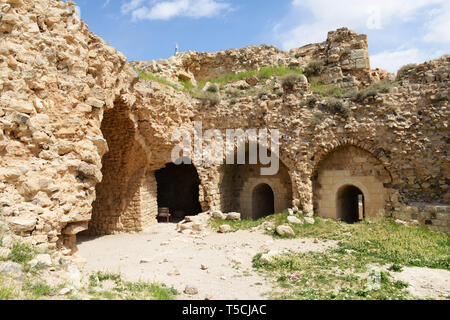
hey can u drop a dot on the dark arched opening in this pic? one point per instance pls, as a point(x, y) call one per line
point(263, 202)
point(178, 190)
point(350, 204)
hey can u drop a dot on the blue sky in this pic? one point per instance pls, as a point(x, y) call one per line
point(399, 31)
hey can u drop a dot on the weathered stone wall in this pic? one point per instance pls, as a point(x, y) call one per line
point(352, 166)
point(436, 217)
point(344, 53)
point(56, 79)
point(239, 181)
point(124, 199)
point(192, 65)
point(67, 98)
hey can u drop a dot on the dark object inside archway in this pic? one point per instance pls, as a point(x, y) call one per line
point(178, 190)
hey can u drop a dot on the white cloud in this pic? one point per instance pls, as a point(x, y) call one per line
point(393, 60)
point(439, 26)
point(356, 14)
point(165, 10)
point(130, 6)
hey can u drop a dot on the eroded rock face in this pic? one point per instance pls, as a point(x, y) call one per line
point(81, 136)
point(56, 80)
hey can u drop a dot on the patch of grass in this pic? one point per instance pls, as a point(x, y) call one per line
point(22, 253)
point(187, 85)
point(7, 293)
point(152, 77)
point(263, 73)
point(236, 225)
point(343, 272)
point(396, 268)
point(387, 242)
point(108, 295)
point(38, 289)
point(326, 90)
point(129, 290)
point(328, 275)
point(154, 290)
point(372, 91)
point(98, 277)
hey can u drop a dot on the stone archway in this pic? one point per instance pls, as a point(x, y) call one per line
point(350, 166)
point(178, 190)
point(126, 196)
point(350, 204)
point(263, 201)
point(238, 182)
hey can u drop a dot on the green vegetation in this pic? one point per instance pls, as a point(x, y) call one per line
point(330, 275)
point(326, 90)
point(6, 293)
point(120, 289)
point(314, 68)
point(372, 91)
point(37, 290)
point(211, 96)
point(236, 225)
point(343, 272)
point(383, 241)
point(150, 76)
point(22, 253)
point(288, 81)
point(262, 74)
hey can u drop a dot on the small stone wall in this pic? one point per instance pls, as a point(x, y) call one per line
point(436, 217)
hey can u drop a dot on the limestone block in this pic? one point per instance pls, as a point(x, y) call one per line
point(22, 224)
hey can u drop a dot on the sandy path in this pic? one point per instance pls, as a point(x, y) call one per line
point(425, 282)
point(153, 254)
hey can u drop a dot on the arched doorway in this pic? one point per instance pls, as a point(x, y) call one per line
point(350, 204)
point(237, 183)
point(263, 201)
point(178, 190)
point(363, 175)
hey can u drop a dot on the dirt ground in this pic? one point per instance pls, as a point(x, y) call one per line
point(425, 282)
point(161, 254)
point(218, 265)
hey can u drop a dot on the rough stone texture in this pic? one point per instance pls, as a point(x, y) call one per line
point(285, 231)
point(81, 137)
point(350, 165)
point(437, 217)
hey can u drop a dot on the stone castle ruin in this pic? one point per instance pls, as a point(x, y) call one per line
point(85, 144)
